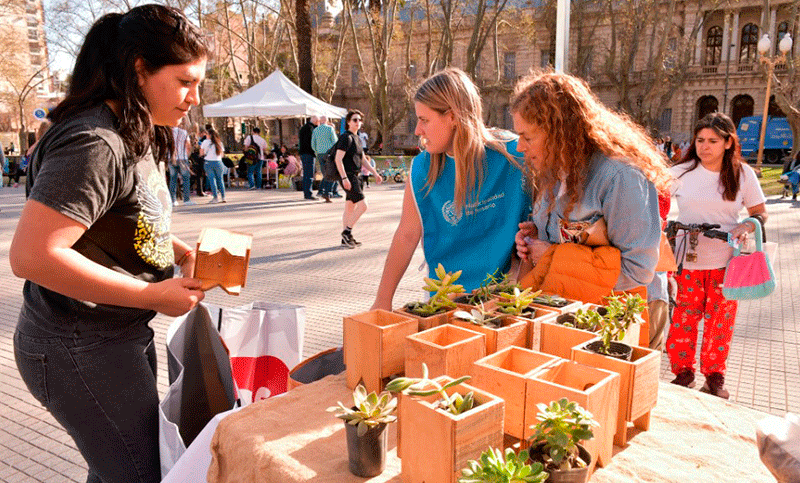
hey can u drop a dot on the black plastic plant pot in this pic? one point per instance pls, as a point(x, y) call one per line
point(617, 350)
point(367, 454)
point(568, 318)
point(574, 475)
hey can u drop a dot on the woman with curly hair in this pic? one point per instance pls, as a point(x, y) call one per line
point(466, 193)
point(597, 177)
point(714, 185)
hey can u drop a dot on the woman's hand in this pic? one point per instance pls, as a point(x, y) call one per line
point(740, 231)
point(529, 247)
point(378, 178)
point(174, 296)
point(346, 184)
point(187, 264)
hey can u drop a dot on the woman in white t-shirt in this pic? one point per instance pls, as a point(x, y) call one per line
point(713, 185)
point(213, 151)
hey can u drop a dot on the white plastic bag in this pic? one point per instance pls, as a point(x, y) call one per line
point(265, 341)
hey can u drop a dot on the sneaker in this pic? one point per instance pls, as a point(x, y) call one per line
point(175, 203)
point(188, 202)
point(213, 200)
point(685, 379)
point(312, 198)
point(223, 200)
point(347, 241)
point(251, 188)
point(354, 241)
point(336, 195)
point(327, 198)
point(715, 385)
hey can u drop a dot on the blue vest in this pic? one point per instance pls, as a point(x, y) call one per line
point(479, 238)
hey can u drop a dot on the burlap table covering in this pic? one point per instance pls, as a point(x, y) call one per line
point(693, 437)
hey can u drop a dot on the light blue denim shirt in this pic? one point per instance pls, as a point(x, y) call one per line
point(622, 195)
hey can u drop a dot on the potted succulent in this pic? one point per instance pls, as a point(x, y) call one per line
point(493, 284)
point(365, 425)
point(517, 302)
point(494, 466)
point(445, 418)
point(621, 312)
point(556, 441)
point(500, 330)
point(433, 312)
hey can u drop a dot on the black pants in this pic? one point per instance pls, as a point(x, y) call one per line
point(102, 389)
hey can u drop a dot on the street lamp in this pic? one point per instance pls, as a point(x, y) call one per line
point(764, 46)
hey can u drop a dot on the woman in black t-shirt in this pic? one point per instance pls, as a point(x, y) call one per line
point(93, 240)
point(349, 159)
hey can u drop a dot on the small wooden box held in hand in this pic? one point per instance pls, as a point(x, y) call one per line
point(222, 259)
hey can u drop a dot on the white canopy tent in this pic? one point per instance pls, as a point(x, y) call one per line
point(274, 97)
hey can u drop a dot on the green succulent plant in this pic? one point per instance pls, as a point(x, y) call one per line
point(621, 313)
point(368, 410)
point(516, 301)
point(454, 404)
point(494, 466)
point(551, 300)
point(562, 425)
point(441, 288)
point(492, 284)
point(479, 316)
point(590, 320)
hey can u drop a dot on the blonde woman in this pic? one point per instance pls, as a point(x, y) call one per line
point(595, 170)
point(466, 193)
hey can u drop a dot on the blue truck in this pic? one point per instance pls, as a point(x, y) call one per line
point(777, 140)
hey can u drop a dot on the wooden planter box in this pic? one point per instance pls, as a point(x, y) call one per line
point(506, 374)
point(374, 347)
point(222, 259)
point(425, 323)
point(594, 389)
point(638, 391)
point(436, 445)
point(558, 340)
point(514, 332)
point(572, 306)
point(535, 326)
point(447, 350)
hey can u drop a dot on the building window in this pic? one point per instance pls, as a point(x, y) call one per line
point(714, 45)
point(748, 49)
point(665, 123)
point(508, 120)
point(354, 76)
point(783, 29)
point(510, 66)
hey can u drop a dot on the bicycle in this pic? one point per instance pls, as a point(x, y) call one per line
point(693, 230)
point(398, 173)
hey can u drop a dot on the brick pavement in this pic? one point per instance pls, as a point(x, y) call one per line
point(296, 258)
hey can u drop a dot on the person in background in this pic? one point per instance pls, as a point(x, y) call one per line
point(597, 175)
point(714, 185)
point(349, 160)
point(254, 179)
point(364, 138)
point(3, 165)
point(179, 164)
point(365, 173)
point(307, 156)
point(93, 240)
point(212, 150)
point(791, 170)
point(197, 163)
point(466, 193)
point(322, 139)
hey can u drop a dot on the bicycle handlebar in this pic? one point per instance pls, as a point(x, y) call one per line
point(707, 229)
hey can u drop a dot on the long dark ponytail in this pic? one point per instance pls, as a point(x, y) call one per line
point(105, 69)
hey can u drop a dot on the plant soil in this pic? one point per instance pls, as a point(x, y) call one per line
point(617, 350)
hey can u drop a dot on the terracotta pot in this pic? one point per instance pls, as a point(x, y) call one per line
point(366, 454)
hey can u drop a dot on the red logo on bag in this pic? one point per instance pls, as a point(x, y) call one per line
point(263, 377)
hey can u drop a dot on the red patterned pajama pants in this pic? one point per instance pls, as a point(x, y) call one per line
point(700, 298)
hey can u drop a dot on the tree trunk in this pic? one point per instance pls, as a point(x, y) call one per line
point(305, 72)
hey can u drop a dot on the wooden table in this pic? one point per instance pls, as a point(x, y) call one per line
point(693, 437)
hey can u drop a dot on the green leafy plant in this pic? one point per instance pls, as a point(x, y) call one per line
point(551, 300)
point(590, 320)
point(454, 404)
point(368, 410)
point(562, 425)
point(516, 301)
point(621, 312)
point(479, 316)
point(493, 283)
point(441, 287)
point(494, 466)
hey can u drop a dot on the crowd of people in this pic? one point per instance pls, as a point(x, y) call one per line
point(575, 195)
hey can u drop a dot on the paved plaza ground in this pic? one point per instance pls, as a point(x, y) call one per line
point(296, 258)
